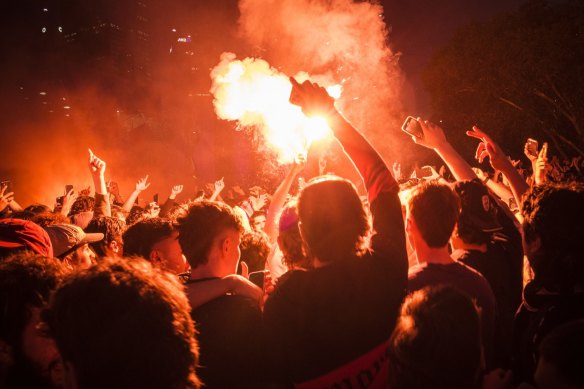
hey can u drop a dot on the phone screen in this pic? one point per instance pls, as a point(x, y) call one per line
point(68, 188)
point(412, 127)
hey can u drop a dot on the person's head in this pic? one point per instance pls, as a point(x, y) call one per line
point(124, 324)
point(152, 210)
point(28, 358)
point(257, 221)
point(553, 221)
point(255, 247)
point(332, 220)
point(561, 357)
point(157, 241)
point(136, 214)
point(45, 219)
point(112, 229)
point(432, 212)
point(17, 235)
point(210, 231)
point(82, 203)
point(71, 244)
point(37, 208)
point(477, 221)
point(436, 341)
point(289, 239)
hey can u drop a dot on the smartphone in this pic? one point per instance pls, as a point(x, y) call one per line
point(68, 188)
point(258, 277)
point(155, 198)
point(532, 147)
point(412, 126)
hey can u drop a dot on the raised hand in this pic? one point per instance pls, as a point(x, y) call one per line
point(176, 190)
point(258, 202)
point(311, 97)
point(530, 150)
point(219, 185)
point(5, 198)
point(68, 200)
point(142, 184)
point(488, 148)
point(96, 165)
point(541, 166)
point(434, 137)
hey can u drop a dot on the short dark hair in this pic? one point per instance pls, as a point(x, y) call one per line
point(201, 224)
point(255, 247)
point(112, 229)
point(140, 237)
point(554, 213)
point(333, 221)
point(123, 323)
point(26, 280)
point(83, 203)
point(436, 341)
point(435, 208)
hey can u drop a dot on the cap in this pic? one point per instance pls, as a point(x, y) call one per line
point(477, 207)
point(66, 237)
point(18, 233)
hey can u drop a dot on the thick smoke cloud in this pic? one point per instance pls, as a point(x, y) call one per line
point(339, 42)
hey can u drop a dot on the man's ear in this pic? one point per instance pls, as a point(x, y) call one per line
point(154, 258)
point(115, 247)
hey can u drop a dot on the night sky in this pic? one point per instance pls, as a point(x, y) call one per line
point(36, 147)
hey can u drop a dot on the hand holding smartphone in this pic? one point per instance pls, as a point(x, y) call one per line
point(412, 127)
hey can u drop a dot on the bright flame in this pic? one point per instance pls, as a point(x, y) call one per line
point(257, 95)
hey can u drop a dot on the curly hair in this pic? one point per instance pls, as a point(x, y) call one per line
point(255, 247)
point(82, 204)
point(26, 280)
point(148, 337)
point(112, 229)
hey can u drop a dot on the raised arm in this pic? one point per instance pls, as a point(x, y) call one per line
point(279, 198)
point(382, 189)
point(97, 170)
point(435, 139)
point(499, 161)
point(169, 203)
point(218, 188)
point(141, 186)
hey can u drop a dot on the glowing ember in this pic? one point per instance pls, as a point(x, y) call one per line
point(256, 95)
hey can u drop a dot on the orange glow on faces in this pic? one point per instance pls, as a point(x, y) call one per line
point(256, 95)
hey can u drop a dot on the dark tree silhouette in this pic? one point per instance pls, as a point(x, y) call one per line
point(519, 75)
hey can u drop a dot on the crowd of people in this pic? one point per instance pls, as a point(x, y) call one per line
point(452, 279)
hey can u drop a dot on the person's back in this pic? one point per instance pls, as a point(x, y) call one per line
point(553, 223)
point(432, 213)
point(321, 322)
point(228, 326)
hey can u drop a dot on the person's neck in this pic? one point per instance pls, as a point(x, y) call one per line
point(208, 271)
point(437, 255)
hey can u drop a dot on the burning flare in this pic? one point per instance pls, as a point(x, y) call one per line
point(257, 95)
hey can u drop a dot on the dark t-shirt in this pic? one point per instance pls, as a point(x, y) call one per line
point(465, 279)
point(318, 320)
point(229, 336)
